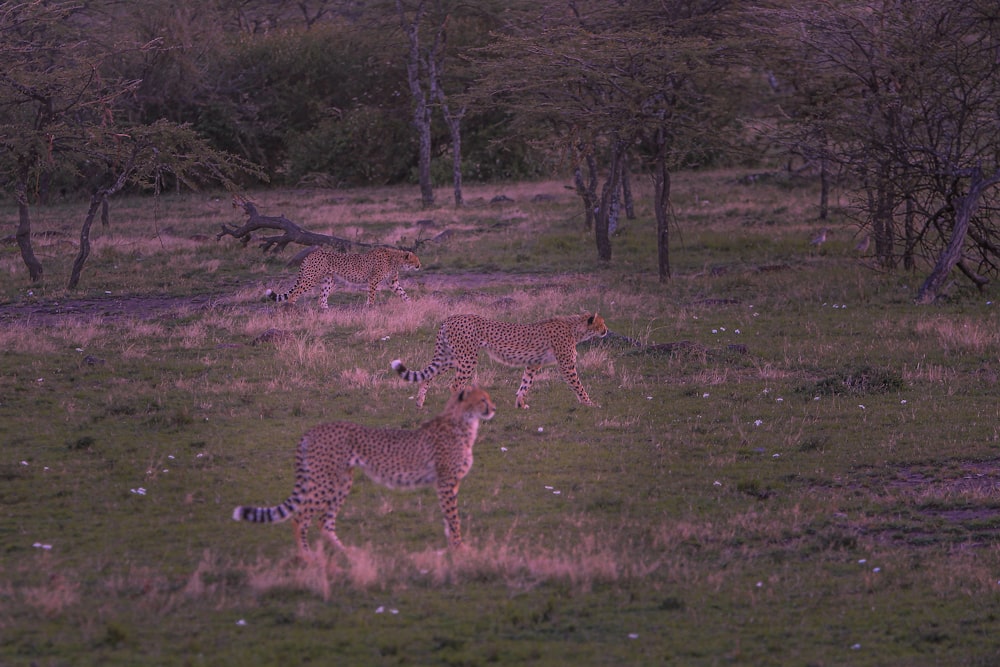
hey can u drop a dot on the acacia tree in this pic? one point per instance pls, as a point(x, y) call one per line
point(909, 93)
point(58, 107)
point(613, 78)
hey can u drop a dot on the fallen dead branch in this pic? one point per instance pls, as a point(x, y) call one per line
point(292, 232)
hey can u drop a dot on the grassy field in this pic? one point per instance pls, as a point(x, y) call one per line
point(812, 478)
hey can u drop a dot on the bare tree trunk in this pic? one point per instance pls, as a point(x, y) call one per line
point(909, 262)
point(453, 121)
point(627, 189)
point(881, 204)
point(965, 208)
point(609, 203)
point(824, 189)
point(99, 200)
point(421, 110)
point(661, 195)
point(23, 234)
point(588, 205)
point(81, 257)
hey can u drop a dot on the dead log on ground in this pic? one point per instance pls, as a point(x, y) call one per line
point(292, 232)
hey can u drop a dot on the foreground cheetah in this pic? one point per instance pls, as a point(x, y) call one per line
point(439, 452)
point(323, 265)
point(551, 341)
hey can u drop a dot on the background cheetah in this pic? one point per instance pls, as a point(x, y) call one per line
point(323, 265)
point(439, 452)
point(551, 341)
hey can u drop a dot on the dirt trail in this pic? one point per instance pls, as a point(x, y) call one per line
point(149, 306)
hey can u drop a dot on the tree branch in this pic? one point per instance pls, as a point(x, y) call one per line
point(292, 232)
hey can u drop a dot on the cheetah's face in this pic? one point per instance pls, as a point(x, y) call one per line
point(410, 261)
point(476, 403)
point(596, 325)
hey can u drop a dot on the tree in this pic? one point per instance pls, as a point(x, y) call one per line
point(59, 113)
point(907, 105)
point(615, 78)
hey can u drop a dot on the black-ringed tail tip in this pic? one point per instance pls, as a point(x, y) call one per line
point(397, 365)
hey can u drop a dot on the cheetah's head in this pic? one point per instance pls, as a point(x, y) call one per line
point(471, 403)
point(596, 326)
point(410, 261)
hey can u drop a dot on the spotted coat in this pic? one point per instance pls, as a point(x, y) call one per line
point(552, 341)
point(438, 453)
point(322, 266)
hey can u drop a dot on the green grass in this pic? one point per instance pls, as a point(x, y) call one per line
point(824, 495)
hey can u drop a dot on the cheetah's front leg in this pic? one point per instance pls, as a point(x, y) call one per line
point(398, 289)
point(568, 370)
point(447, 491)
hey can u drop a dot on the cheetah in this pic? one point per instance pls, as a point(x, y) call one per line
point(551, 341)
point(322, 266)
point(437, 453)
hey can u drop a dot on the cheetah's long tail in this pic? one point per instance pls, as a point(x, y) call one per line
point(416, 376)
point(275, 514)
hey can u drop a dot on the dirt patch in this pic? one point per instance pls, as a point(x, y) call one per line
point(134, 307)
point(468, 285)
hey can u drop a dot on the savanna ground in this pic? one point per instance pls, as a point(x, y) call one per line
point(813, 480)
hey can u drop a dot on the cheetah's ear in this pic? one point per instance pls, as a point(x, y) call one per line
point(592, 318)
point(461, 395)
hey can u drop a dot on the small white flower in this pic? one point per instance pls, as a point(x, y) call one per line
point(79, 349)
point(549, 488)
point(756, 314)
point(774, 456)
point(903, 402)
point(540, 429)
point(715, 331)
point(876, 569)
point(380, 610)
point(170, 456)
point(393, 611)
point(649, 398)
point(760, 584)
point(862, 407)
point(716, 483)
point(815, 398)
point(384, 338)
point(758, 422)
point(737, 331)
point(856, 646)
point(722, 328)
point(241, 622)
point(862, 561)
point(107, 291)
point(705, 395)
point(633, 635)
point(40, 380)
point(503, 449)
point(24, 463)
point(780, 399)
